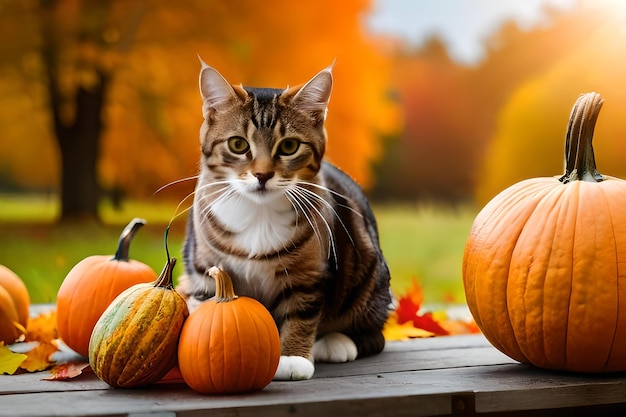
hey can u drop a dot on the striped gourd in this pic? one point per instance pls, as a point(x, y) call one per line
point(135, 341)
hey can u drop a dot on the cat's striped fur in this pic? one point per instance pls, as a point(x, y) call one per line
point(292, 230)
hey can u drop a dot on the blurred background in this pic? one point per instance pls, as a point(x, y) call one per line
point(437, 106)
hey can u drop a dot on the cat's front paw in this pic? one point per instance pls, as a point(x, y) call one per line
point(294, 368)
point(334, 347)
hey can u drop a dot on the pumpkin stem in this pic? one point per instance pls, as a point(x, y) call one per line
point(165, 279)
point(224, 291)
point(580, 162)
point(125, 237)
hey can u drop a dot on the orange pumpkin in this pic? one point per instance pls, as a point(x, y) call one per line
point(544, 266)
point(228, 344)
point(14, 306)
point(92, 284)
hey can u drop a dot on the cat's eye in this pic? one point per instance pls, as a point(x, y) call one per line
point(288, 147)
point(238, 145)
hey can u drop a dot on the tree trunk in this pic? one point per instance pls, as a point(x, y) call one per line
point(79, 145)
point(78, 135)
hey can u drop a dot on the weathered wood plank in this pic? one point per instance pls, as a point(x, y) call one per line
point(495, 388)
point(528, 388)
point(416, 360)
point(420, 354)
point(362, 396)
point(439, 376)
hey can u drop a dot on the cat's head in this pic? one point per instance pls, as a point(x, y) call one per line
point(262, 139)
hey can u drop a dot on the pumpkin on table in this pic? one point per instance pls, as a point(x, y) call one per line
point(92, 284)
point(229, 344)
point(544, 267)
point(135, 341)
point(14, 306)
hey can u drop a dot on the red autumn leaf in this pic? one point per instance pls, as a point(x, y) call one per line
point(427, 322)
point(408, 309)
point(66, 371)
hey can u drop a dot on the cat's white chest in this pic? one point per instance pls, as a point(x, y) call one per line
point(258, 227)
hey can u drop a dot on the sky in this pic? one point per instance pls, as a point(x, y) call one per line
point(461, 24)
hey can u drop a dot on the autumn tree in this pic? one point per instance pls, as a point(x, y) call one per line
point(529, 138)
point(432, 159)
point(114, 85)
point(451, 111)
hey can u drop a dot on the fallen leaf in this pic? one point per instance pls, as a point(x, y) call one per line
point(409, 307)
point(39, 358)
point(395, 331)
point(9, 360)
point(66, 371)
point(460, 327)
point(427, 322)
point(42, 328)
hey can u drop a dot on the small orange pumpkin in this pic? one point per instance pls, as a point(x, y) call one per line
point(229, 344)
point(14, 306)
point(544, 267)
point(92, 284)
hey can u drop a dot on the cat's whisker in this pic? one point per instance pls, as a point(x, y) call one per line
point(225, 192)
point(206, 196)
point(294, 199)
point(169, 184)
point(330, 207)
point(331, 238)
point(180, 203)
point(321, 187)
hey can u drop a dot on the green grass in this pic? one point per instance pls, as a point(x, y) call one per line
point(425, 242)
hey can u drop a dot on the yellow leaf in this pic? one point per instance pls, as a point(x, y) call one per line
point(42, 328)
point(394, 331)
point(39, 358)
point(9, 361)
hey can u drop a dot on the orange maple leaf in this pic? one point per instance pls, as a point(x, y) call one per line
point(42, 328)
point(39, 358)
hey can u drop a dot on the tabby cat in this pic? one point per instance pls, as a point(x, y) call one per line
point(292, 230)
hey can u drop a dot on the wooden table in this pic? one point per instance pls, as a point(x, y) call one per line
point(455, 375)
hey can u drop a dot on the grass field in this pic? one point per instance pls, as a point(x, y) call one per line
point(425, 242)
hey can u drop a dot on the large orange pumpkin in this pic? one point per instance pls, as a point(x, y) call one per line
point(544, 267)
point(92, 284)
point(228, 344)
point(14, 306)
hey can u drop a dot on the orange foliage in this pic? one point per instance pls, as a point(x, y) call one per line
point(152, 113)
point(42, 335)
point(528, 140)
point(410, 321)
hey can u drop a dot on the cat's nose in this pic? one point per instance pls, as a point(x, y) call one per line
point(263, 178)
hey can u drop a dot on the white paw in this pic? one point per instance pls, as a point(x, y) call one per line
point(294, 368)
point(334, 347)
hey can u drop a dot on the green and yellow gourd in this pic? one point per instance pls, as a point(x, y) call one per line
point(135, 341)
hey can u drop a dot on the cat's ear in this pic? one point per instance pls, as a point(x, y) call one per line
point(215, 90)
point(313, 97)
